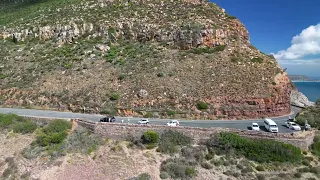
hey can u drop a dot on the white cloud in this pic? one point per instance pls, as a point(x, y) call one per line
point(305, 44)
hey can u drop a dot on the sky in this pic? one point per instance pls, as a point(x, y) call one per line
point(288, 29)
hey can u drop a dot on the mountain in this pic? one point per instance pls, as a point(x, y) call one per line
point(300, 78)
point(182, 58)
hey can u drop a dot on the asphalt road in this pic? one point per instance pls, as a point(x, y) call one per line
point(238, 124)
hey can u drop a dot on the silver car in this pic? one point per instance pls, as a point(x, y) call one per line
point(144, 121)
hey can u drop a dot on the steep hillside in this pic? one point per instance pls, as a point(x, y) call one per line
point(187, 58)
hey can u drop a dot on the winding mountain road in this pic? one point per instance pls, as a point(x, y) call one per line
point(238, 124)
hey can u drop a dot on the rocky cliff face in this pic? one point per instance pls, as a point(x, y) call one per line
point(151, 58)
point(300, 100)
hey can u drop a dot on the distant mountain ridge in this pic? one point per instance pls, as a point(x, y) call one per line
point(300, 78)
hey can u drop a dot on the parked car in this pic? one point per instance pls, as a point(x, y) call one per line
point(108, 119)
point(255, 127)
point(293, 126)
point(144, 121)
point(173, 123)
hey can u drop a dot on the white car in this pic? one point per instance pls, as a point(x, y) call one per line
point(143, 121)
point(293, 126)
point(255, 127)
point(173, 123)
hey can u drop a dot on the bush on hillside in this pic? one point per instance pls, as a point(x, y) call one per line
point(83, 141)
point(178, 168)
point(150, 137)
point(17, 123)
point(202, 105)
point(6, 120)
point(24, 127)
point(54, 133)
point(257, 150)
point(311, 114)
point(171, 140)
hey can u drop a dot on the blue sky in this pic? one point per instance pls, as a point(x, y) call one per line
point(273, 24)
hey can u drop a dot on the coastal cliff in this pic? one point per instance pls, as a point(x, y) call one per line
point(187, 59)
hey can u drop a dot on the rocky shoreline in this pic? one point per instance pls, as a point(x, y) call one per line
point(300, 100)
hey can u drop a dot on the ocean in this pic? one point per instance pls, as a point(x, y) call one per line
point(309, 89)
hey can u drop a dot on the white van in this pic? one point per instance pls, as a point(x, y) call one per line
point(270, 125)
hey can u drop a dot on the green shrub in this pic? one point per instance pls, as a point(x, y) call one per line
point(144, 176)
point(257, 60)
point(257, 150)
point(150, 137)
point(148, 115)
point(57, 126)
point(83, 141)
point(208, 50)
point(206, 165)
point(260, 168)
point(190, 171)
point(54, 133)
point(312, 114)
point(114, 96)
point(316, 148)
point(6, 120)
point(178, 168)
point(171, 113)
point(24, 127)
point(170, 139)
point(194, 153)
point(164, 175)
point(202, 105)
point(297, 175)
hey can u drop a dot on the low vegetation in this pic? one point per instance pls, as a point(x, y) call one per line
point(202, 105)
point(311, 114)
point(170, 141)
point(256, 150)
point(17, 124)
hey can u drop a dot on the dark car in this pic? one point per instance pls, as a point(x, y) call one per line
point(108, 119)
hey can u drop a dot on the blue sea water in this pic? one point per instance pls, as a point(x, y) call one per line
point(310, 89)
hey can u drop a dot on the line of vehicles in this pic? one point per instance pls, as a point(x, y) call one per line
point(272, 126)
point(269, 124)
point(141, 121)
